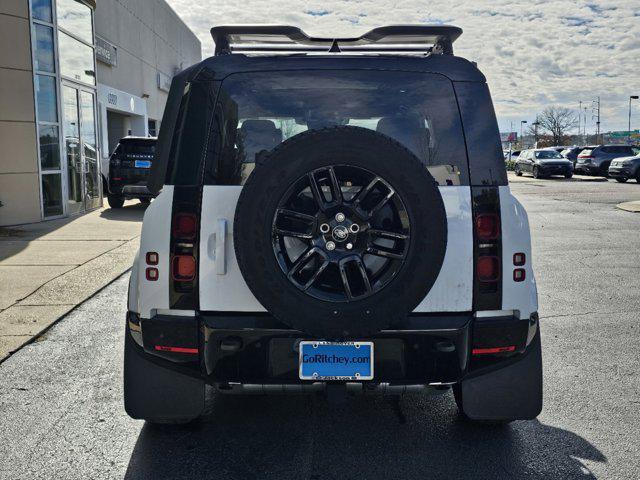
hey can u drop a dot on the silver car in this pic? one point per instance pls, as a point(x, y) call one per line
point(622, 169)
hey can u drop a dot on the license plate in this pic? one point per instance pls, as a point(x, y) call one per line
point(336, 360)
point(142, 164)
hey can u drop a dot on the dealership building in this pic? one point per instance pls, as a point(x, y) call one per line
point(75, 77)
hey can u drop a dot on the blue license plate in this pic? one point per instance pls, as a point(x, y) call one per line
point(336, 360)
point(142, 164)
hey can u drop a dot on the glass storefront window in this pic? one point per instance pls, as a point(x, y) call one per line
point(44, 59)
point(46, 97)
point(41, 10)
point(49, 147)
point(88, 137)
point(52, 194)
point(75, 17)
point(76, 59)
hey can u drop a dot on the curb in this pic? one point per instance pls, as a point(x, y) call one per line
point(633, 207)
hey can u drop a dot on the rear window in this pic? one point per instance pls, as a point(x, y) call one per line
point(147, 148)
point(255, 112)
point(547, 154)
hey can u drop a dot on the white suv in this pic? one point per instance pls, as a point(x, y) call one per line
point(332, 223)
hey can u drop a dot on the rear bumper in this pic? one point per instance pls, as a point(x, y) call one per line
point(129, 182)
point(588, 169)
point(257, 349)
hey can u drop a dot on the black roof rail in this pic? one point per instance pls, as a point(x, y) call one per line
point(287, 39)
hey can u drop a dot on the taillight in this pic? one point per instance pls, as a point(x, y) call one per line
point(487, 251)
point(183, 260)
point(488, 268)
point(184, 226)
point(487, 226)
point(183, 268)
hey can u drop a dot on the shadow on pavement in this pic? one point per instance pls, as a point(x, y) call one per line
point(128, 213)
point(307, 438)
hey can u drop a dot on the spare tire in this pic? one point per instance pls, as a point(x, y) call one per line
point(340, 232)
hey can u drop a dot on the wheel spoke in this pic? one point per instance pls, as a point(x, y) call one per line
point(345, 276)
point(365, 191)
point(388, 234)
point(302, 262)
point(332, 184)
point(384, 252)
point(299, 225)
point(336, 191)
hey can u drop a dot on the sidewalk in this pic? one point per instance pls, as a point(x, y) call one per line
point(48, 268)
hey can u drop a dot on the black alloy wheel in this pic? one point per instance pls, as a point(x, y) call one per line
point(340, 233)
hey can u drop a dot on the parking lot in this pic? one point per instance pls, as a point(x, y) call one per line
point(62, 414)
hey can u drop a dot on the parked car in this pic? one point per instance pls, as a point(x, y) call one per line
point(370, 249)
point(129, 167)
point(542, 163)
point(624, 168)
point(571, 153)
point(595, 160)
point(556, 149)
point(513, 156)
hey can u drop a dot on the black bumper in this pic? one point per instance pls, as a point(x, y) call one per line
point(129, 182)
point(258, 349)
point(620, 172)
point(555, 170)
point(588, 169)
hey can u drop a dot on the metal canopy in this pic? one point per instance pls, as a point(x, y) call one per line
point(287, 39)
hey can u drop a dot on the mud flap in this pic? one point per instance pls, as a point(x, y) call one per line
point(510, 393)
point(158, 394)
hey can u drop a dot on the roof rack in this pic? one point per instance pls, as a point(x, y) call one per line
point(436, 39)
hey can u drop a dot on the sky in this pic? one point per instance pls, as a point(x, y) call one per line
point(534, 53)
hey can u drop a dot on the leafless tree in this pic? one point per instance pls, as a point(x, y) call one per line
point(556, 122)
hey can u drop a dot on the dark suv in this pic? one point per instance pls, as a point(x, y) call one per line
point(129, 167)
point(595, 160)
point(334, 217)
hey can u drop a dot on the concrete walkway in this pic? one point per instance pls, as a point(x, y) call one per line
point(48, 268)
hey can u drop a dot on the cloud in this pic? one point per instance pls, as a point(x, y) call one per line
point(534, 52)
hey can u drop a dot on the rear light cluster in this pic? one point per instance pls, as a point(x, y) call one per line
point(488, 261)
point(184, 230)
point(487, 250)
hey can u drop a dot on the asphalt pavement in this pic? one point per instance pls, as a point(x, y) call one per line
point(61, 413)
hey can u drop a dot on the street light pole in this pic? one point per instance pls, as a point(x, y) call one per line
point(631, 97)
point(522, 122)
point(535, 133)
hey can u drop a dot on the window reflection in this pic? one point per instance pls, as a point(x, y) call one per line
point(44, 49)
point(41, 10)
point(88, 136)
point(75, 17)
point(52, 194)
point(46, 95)
point(76, 59)
point(49, 147)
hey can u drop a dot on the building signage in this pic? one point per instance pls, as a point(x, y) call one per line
point(106, 52)
point(164, 81)
point(508, 137)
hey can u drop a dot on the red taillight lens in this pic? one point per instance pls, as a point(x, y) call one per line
point(487, 226)
point(151, 274)
point(488, 268)
point(184, 226)
point(493, 350)
point(183, 268)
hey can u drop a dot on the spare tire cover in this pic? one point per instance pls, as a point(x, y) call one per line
point(340, 232)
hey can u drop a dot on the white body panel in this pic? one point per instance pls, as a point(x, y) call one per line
point(222, 287)
point(155, 237)
point(516, 237)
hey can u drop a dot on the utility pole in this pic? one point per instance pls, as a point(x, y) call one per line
point(580, 119)
point(522, 122)
point(596, 106)
point(632, 97)
point(535, 132)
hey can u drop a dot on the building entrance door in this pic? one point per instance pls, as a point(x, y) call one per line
point(79, 129)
